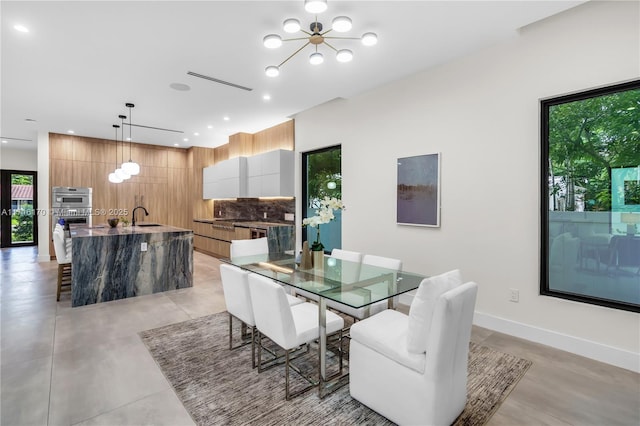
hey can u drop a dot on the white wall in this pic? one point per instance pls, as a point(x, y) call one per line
point(482, 114)
point(18, 159)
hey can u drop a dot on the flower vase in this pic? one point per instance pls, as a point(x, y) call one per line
point(317, 251)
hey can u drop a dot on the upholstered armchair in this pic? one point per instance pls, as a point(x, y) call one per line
point(412, 368)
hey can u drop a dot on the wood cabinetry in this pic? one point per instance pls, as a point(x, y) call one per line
point(215, 240)
point(161, 186)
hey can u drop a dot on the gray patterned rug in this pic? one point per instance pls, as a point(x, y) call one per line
point(218, 386)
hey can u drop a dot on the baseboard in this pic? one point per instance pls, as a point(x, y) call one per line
point(589, 349)
point(44, 258)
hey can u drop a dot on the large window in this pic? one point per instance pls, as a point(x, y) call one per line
point(591, 197)
point(322, 177)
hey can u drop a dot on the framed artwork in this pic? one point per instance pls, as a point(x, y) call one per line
point(418, 190)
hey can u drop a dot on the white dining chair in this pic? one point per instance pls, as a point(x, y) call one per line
point(237, 297)
point(256, 246)
point(63, 257)
point(289, 327)
point(420, 360)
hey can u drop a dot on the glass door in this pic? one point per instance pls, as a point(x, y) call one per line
point(322, 177)
point(18, 219)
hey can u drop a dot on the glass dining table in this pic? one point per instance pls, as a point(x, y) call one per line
point(352, 284)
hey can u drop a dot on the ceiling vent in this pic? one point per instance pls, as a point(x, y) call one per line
point(206, 77)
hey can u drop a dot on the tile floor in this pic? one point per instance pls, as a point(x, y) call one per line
point(87, 366)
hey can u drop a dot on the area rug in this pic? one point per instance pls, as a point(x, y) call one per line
point(218, 386)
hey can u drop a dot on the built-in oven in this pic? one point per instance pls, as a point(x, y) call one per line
point(71, 204)
point(258, 233)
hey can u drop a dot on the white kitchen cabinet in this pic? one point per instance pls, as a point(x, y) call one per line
point(271, 174)
point(226, 179)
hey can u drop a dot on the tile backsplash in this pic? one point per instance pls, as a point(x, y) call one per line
point(254, 209)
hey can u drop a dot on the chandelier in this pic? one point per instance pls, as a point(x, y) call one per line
point(316, 37)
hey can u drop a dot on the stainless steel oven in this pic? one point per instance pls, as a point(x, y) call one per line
point(258, 233)
point(71, 204)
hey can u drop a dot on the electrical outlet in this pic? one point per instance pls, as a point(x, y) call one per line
point(514, 295)
point(265, 215)
point(289, 216)
point(143, 246)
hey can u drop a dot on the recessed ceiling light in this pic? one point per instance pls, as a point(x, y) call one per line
point(3, 141)
point(176, 144)
point(186, 139)
point(267, 97)
point(128, 138)
point(180, 87)
point(226, 118)
point(70, 131)
point(196, 134)
point(21, 28)
point(209, 126)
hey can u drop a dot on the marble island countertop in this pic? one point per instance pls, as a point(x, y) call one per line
point(105, 230)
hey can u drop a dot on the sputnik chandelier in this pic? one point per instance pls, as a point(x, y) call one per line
point(316, 37)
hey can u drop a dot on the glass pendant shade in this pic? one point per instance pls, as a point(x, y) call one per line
point(316, 58)
point(114, 179)
point(121, 174)
point(341, 24)
point(344, 55)
point(272, 71)
point(291, 26)
point(369, 39)
point(272, 41)
point(131, 168)
point(315, 6)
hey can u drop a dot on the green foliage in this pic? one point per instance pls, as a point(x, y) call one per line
point(17, 179)
point(22, 224)
point(589, 137)
point(323, 168)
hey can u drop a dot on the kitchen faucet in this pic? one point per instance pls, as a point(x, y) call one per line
point(133, 214)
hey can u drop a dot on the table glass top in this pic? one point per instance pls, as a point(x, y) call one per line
point(351, 283)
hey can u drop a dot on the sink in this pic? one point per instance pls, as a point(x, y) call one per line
point(148, 224)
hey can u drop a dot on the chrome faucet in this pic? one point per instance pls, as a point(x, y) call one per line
point(133, 214)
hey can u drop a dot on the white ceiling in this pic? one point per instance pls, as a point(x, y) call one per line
point(82, 60)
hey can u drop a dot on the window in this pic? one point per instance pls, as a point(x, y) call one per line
point(590, 187)
point(322, 177)
point(18, 220)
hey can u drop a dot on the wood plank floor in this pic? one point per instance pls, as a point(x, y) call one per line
point(64, 366)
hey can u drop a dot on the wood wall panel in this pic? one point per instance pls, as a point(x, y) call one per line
point(61, 173)
point(221, 153)
point(81, 149)
point(104, 151)
point(177, 158)
point(147, 155)
point(82, 174)
point(277, 137)
point(60, 147)
point(240, 145)
point(179, 212)
point(104, 193)
point(155, 199)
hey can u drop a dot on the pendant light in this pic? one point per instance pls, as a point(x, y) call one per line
point(130, 167)
point(119, 172)
point(113, 178)
point(122, 173)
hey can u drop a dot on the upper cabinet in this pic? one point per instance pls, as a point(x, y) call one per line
point(264, 175)
point(227, 179)
point(271, 174)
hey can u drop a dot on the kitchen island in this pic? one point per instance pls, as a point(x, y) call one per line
point(116, 263)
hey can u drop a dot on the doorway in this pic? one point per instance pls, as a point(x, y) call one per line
point(322, 177)
point(18, 208)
